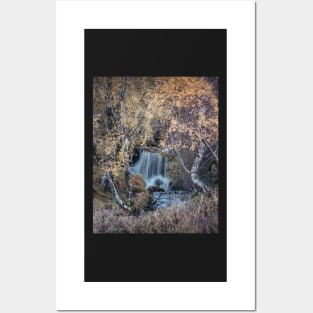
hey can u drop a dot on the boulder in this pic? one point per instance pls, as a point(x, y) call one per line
point(137, 183)
point(158, 182)
point(140, 201)
point(156, 188)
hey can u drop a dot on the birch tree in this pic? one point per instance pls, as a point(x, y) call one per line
point(121, 121)
point(188, 107)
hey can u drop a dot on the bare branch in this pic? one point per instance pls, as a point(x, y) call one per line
point(133, 134)
point(210, 148)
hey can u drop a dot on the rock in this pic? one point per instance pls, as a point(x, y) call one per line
point(156, 188)
point(158, 182)
point(137, 183)
point(140, 201)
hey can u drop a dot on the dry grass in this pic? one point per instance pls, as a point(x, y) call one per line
point(198, 215)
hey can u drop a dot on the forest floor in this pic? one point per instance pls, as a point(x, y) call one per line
point(197, 215)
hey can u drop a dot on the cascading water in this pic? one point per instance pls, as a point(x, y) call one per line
point(152, 167)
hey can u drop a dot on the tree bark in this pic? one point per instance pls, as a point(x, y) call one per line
point(211, 150)
point(124, 137)
point(107, 179)
point(125, 149)
point(194, 170)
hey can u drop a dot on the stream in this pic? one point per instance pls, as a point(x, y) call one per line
point(153, 167)
point(167, 198)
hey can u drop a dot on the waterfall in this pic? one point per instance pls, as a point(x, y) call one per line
point(152, 167)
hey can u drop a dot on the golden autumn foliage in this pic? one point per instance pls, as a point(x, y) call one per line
point(188, 107)
point(121, 119)
point(175, 113)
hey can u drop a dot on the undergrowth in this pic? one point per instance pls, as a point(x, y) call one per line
point(198, 215)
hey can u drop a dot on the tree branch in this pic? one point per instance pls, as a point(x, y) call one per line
point(133, 134)
point(208, 145)
point(211, 150)
point(178, 154)
point(194, 171)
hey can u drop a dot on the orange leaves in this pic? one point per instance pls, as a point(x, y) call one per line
point(185, 108)
point(188, 105)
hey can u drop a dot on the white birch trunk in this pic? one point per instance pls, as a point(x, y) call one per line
point(107, 178)
point(194, 170)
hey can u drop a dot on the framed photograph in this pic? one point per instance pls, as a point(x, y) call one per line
point(155, 155)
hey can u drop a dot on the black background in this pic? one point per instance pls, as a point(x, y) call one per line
point(155, 257)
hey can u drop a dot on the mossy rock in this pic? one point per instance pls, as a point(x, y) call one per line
point(176, 174)
point(138, 185)
point(140, 201)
